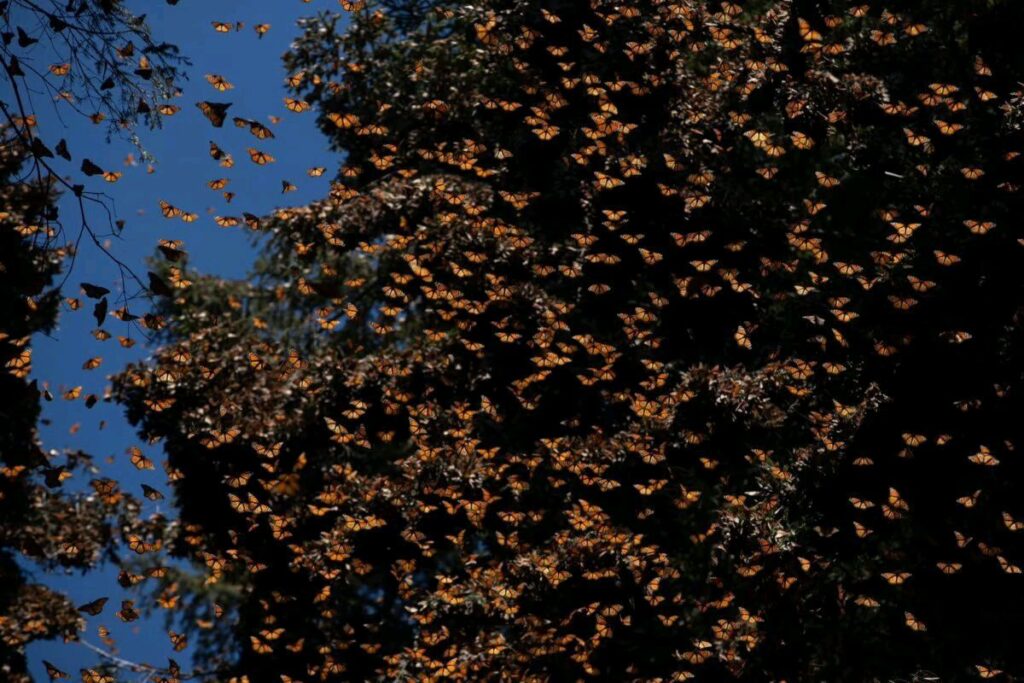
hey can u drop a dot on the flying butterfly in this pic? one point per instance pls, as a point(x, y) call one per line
point(216, 112)
point(218, 82)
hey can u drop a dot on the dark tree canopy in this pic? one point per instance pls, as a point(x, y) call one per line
point(647, 340)
point(99, 60)
point(39, 523)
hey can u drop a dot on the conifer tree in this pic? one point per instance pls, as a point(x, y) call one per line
point(635, 341)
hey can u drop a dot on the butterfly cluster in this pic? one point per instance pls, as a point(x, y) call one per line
point(647, 341)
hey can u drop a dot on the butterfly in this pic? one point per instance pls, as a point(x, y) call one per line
point(218, 82)
point(151, 493)
point(913, 623)
point(216, 112)
point(742, 338)
point(896, 578)
point(226, 26)
point(258, 157)
point(94, 607)
point(985, 671)
point(255, 127)
point(53, 672)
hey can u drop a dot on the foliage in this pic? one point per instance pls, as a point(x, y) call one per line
point(641, 341)
point(621, 322)
point(109, 67)
point(41, 524)
point(104, 65)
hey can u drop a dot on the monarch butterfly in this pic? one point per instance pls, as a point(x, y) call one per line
point(969, 501)
point(258, 157)
point(127, 613)
point(607, 182)
point(53, 672)
point(948, 128)
point(346, 120)
point(984, 95)
point(546, 132)
point(216, 152)
point(742, 338)
point(808, 34)
point(949, 567)
point(801, 140)
point(94, 607)
point(972, 172)
point(218, 82)
point(1008, 567)
point(1011, 523)
point(220, 438)
point(985, 671)
point(943, 88)
point(913, 622)
point(151, 493)
point(651, 487)
point(978, 227)
point(984, 457)
point(259, 646)
point(826, 180)
point(896, 578)
point(916, 139)
point(896, 500)
point(758, 137)
point(861, 530)
point(138, 459)
point(902, 303)
point(255, 127)
point(866, 601)
point(160, 405)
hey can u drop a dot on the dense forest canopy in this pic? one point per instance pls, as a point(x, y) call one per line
point(647, 340)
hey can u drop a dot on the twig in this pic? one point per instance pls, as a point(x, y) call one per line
point(149, 669)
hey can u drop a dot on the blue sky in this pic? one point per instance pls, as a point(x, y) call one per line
point(183, 167)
